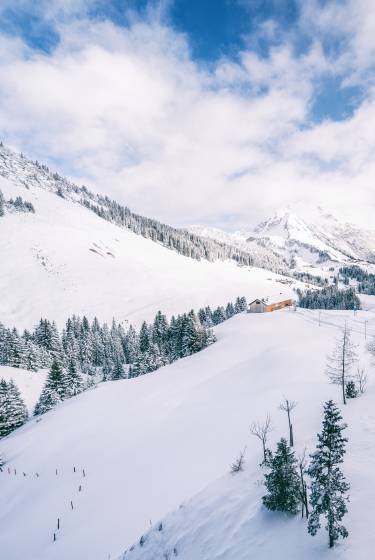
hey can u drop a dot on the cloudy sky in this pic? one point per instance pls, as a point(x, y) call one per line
point(196, 111)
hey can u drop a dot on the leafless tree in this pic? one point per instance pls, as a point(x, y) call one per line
point(238, 464)
point(341, 361)
point(261, 431)
point(302, 463)
point(361, 378)
point(287, 406)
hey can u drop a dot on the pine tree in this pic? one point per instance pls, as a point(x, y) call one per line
point(240, 304)
point(229, 310)
point(160, 332)
point(74, 381)
point(54, 391)
point(118, 370)
point(328, 485)
point(218, 316)
point(282, 482)
point(131, 345)
point(2, 203)
point(145, 337)
point(13, 412)
point(351, 391)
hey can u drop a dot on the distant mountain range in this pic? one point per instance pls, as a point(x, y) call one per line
point(303, 238)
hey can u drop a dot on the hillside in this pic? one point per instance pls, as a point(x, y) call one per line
point(150, 443)
point(66, 259)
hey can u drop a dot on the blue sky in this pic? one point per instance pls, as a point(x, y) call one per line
point(215, 29)
point(194, 111)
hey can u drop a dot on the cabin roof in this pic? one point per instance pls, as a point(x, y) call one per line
point(272, 298)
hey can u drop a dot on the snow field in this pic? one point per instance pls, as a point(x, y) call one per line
point(150, 443)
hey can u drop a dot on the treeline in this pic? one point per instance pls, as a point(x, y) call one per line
point(311, 278)
point(17, 205)
point(98, 347)
point(329, 297)
point(180, 240)
point(87, 351)
point(365, 280)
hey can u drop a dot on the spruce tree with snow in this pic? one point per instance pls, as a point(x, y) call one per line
point(192, 334)
point(282, 482)
point(2, 203)
point(13, 412)
point(351, 391)
point(218, 316)
point(145, 337)
point(54, 391)
point(328, 485)
point(74, 381)
point(229, 310)
point(160, 331)
point(240, 304)
point(341, 361)
point(32, 358)
point(118, 370)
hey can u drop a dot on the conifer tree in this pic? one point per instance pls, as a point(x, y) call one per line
point(328, 485)
point(145, 337)
point(229, 310)
point(351, 391)
point(131, 345)
point(54, 391)
point(74, 381)
point(282, 482)
point(2, 201)
point(13, 412)
point(118, 370)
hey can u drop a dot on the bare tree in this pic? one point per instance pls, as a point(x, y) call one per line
point(361, 378)
point(238, 464)
point(287, 406)
point(341, 361)
point(261, 431)
point(302, 463)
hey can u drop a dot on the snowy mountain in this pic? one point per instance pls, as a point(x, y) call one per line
point(149, 444)
point(84, 254)
point(313, 236)
point(303, 238)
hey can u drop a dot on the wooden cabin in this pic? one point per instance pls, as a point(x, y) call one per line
point(264, 306)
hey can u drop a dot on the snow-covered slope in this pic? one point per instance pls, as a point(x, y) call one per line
point(65, 259)
point(150, 443)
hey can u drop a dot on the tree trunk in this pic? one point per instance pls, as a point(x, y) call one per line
point(291, 439)
point(264, 450)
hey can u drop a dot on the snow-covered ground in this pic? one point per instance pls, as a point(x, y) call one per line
point(147, 445)
point(64, 259)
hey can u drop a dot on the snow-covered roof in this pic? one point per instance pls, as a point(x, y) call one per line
point(272, 298)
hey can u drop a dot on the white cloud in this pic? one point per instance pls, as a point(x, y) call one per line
point(128, 112)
